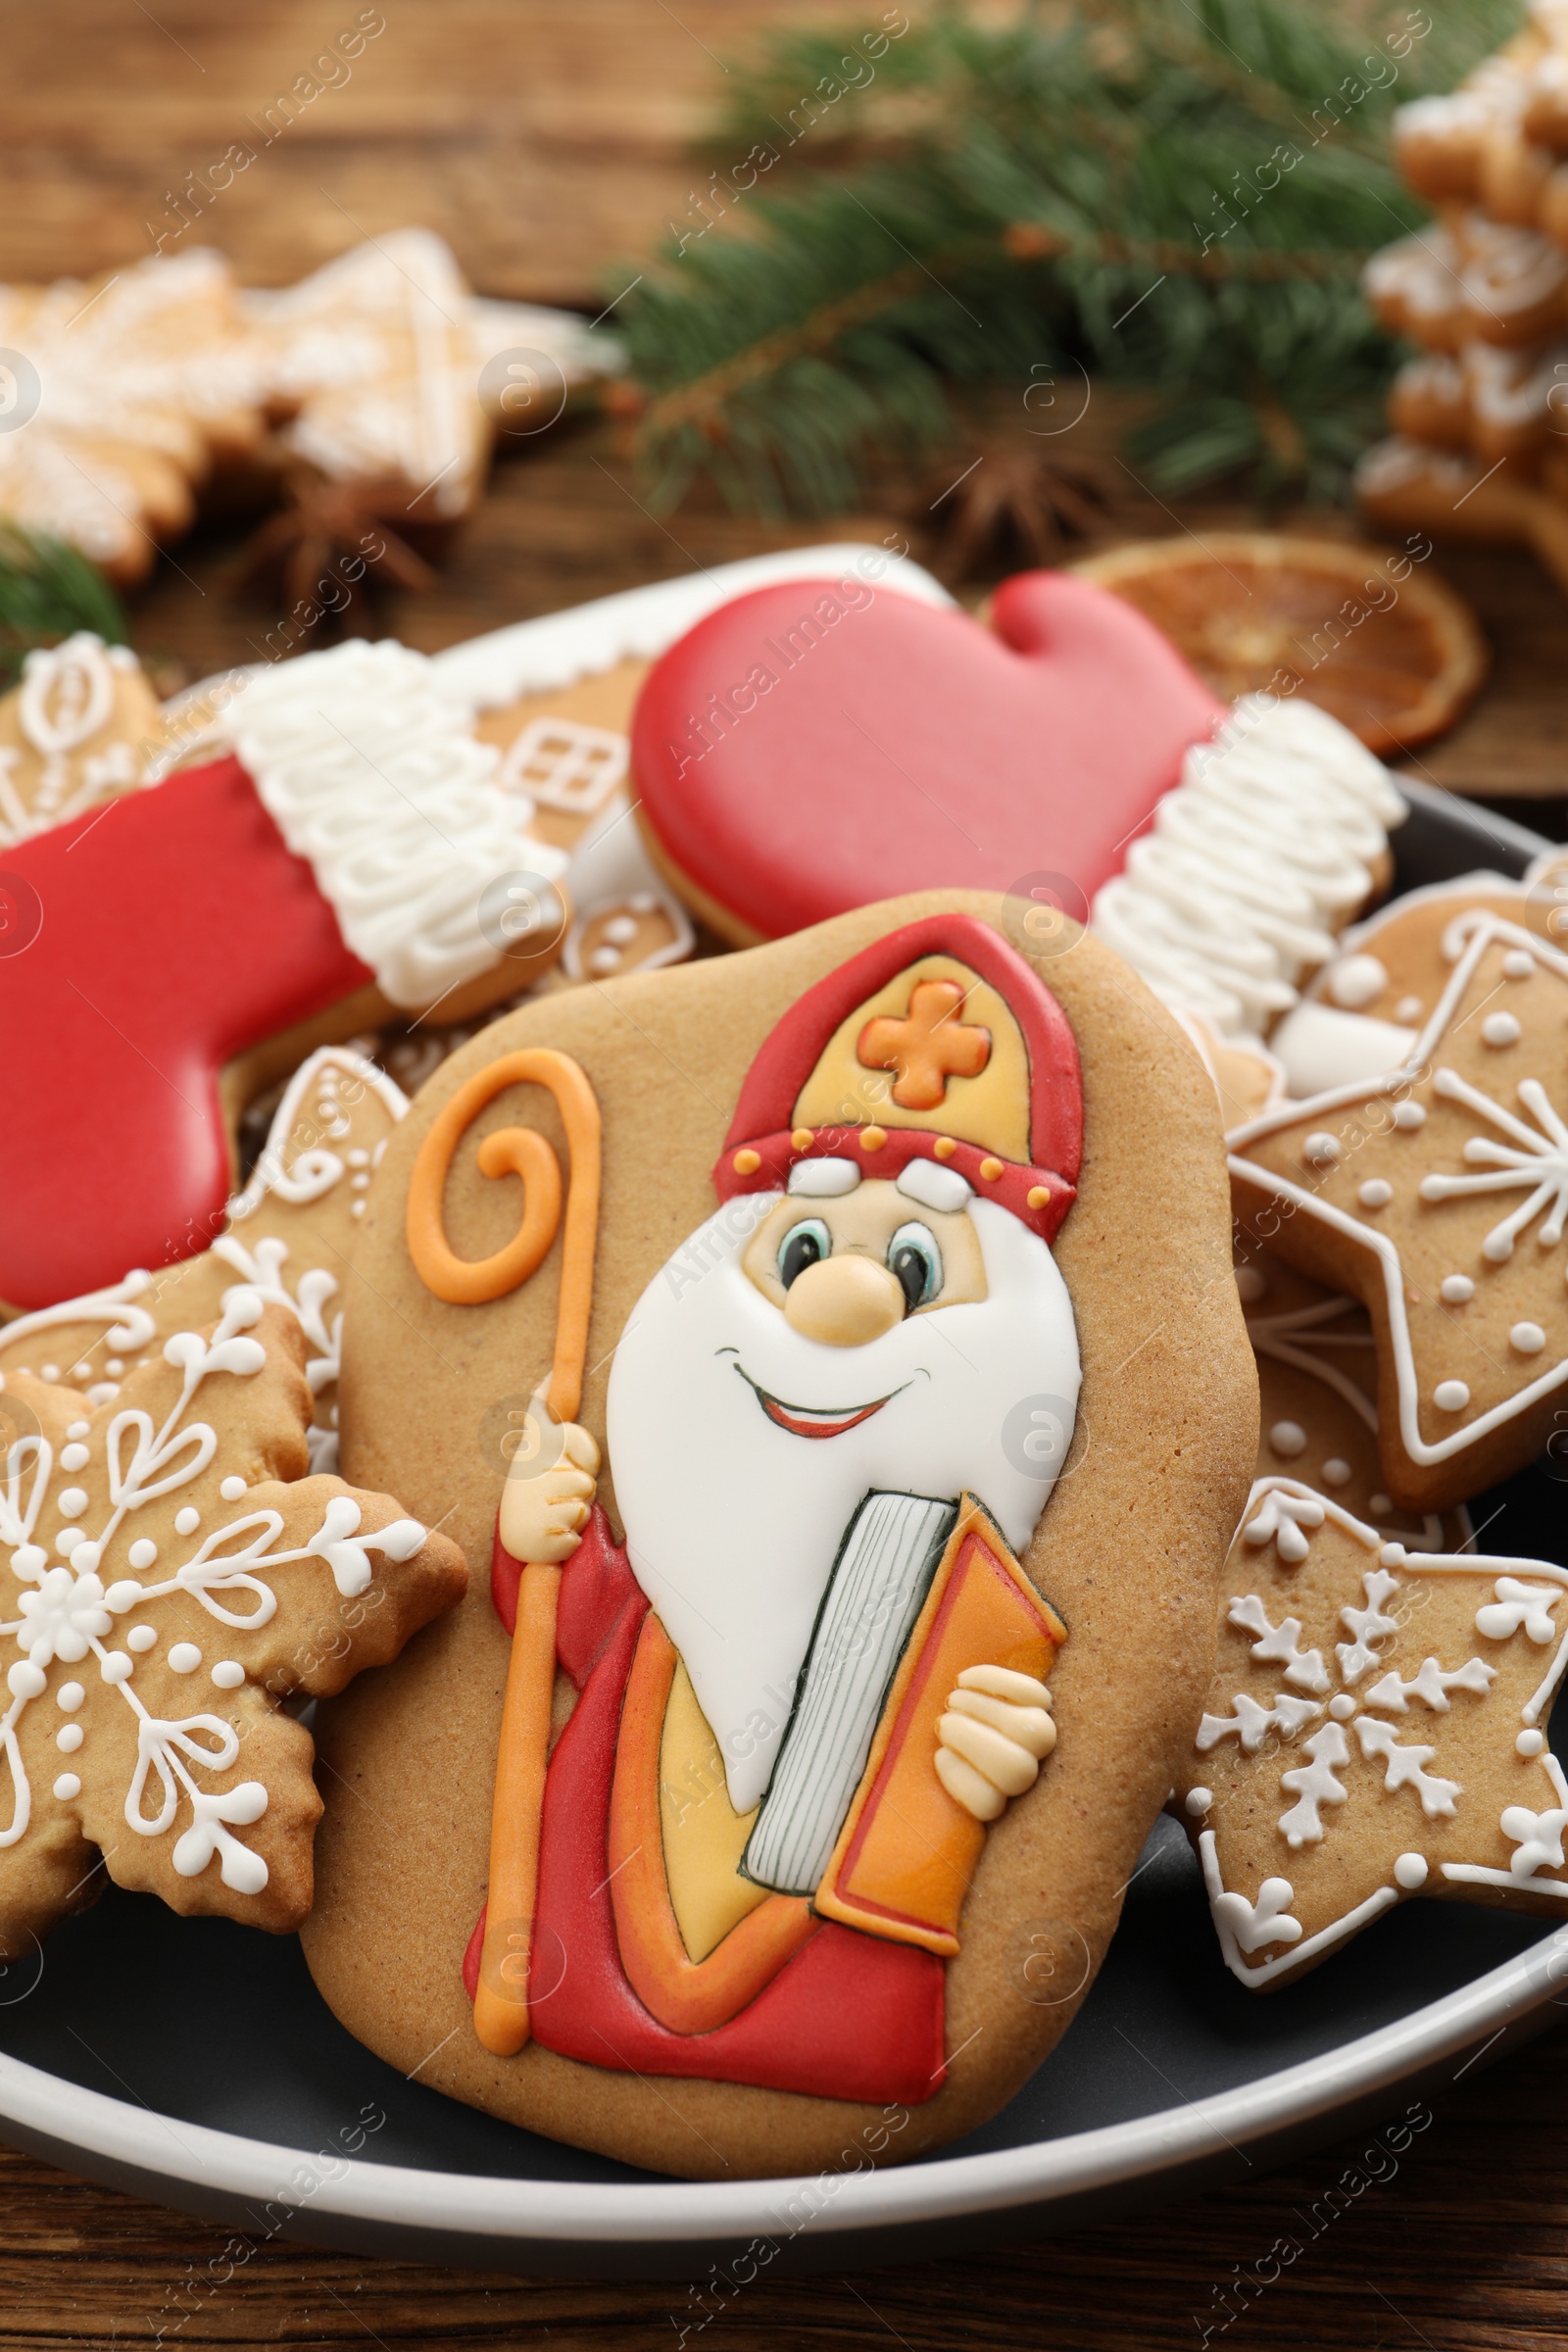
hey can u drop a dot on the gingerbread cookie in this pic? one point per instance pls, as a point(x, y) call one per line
point(379, 359)
point(824, 1545)
point(136, 384)
point(83, 726)
point(168, 1576)
point(1317, 1417)
point(1373, 1732)
point(291, 1238)
point(172, 958)
point(824, 742)
point(1437, 1195)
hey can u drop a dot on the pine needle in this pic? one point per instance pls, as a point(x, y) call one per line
point(48, 590)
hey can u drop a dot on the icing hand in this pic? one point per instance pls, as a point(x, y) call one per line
point(550, 1487)
point(993, 1738)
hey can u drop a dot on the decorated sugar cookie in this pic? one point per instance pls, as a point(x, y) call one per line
point(292, 1234)
point(821, 1426)
point(168, 957)
point(1437, 1195)
point(824, 743)
point(168, 1575)
point(1375, 1731)
point(82, 725)
point(1317, 1418)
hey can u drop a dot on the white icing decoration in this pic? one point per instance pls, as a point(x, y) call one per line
point(934, 1186)
point(1405, 1767)
point(1412, 1871)
point(1287, 1439)
point(1197, 1802)
point(1319, 1046)
point(64, 1613)
point(1268, 838)
point(1376, 1192)
point(1409, 1116)
point(1341, 1706)
point(1527, 1339)
point(1280, 1519)
point(1314, 1786)
point(1456, 1289)
point(1337, 1472)
point(639, 624)
point(1536, 1162)
point(697, 1339)
point(1252, 1724)
point(1368, 1626)
point(1450, 1396)
point(823, 1179)
point(1277, 1644)
point(1409, 1008)
point(1321, 1150)
point(128, 1325)
point(228, 1674)
point(1352, 981)
point(1500, 1029)
point(1431, 1686)
point(1267, 1921)
point(1537, 1837)
point(1530, 1743)
point(563, 764)
point(1518, 1605)
point(372, 774)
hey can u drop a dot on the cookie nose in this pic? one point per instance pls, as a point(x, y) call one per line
point(843, 1300)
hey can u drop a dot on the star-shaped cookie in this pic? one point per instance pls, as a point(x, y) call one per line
point(291, 1237)
point(1372, 1731)
point(167, 1578)
point(1438, 1195)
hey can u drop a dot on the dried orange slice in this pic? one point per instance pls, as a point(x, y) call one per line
point(1376, 639)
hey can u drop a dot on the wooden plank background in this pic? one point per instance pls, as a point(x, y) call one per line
point(545, 139)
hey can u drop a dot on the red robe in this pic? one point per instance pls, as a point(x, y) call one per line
point(849, 2015)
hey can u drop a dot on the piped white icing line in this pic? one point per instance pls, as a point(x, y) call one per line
point(1268, 838)
point(1540, 1162)
point(934, 1186)
point(1526, 1594)
point(67, 1608)
point(131, 1327)
point(823, 1179)
point(609, 867)
point(369, 770)
point(641, 623)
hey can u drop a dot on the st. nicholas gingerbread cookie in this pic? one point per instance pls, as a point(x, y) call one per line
point(877, 1410)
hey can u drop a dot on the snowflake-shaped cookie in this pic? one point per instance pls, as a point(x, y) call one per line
point(1372, 1731)
point(166, 1577)
point(291, 1238)
point(135, 384)
point(1439, 1197)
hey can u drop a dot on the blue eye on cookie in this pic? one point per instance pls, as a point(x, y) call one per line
point(915, 1261)
point(804, 1244)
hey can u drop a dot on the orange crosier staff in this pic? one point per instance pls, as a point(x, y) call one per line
point(501, 2004)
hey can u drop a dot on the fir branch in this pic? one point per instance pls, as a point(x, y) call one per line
point(1182, 198)
point(49, 590)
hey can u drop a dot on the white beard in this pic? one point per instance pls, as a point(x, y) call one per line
point(733, 1524)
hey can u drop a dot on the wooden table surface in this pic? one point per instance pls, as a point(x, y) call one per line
point(544, 138)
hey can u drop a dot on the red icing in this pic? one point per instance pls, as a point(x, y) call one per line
point(848, 2017)
point(909, 748)
point(177, 932)
point(764, 1115)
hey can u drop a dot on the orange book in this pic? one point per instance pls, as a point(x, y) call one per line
point(908, 1850)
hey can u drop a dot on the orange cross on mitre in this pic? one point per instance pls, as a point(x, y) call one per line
point(928, 1047)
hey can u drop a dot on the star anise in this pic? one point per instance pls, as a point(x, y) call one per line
point(1013, 505)
point(329, 539)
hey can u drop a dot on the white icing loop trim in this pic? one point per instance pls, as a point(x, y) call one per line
point(1267, 840)
point(371, 772)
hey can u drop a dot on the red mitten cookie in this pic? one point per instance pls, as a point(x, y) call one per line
point(821, 745)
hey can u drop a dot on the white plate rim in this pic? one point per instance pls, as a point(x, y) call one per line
point(487, 2209)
